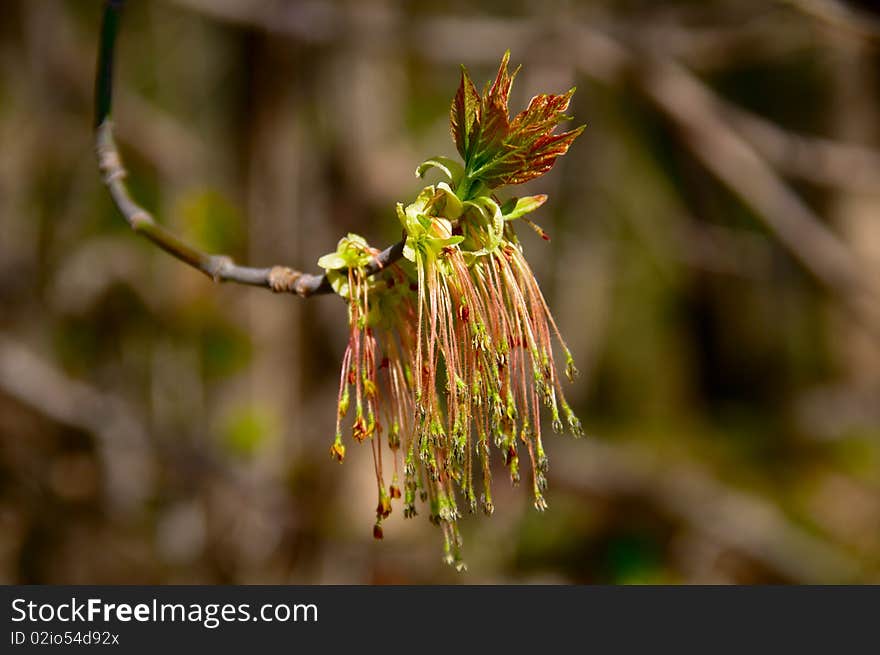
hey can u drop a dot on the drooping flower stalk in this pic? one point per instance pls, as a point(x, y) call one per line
point(461, 332)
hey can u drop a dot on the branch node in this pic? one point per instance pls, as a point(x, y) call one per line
point(110, 164)
point(139, 220)
point(283, 279)
point(217, 266)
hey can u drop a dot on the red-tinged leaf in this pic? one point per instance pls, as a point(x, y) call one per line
point(544, 113)
point(464, 116)
point(503, 80)
point(525, 163)
point(493, 131)
point(495, 115)
point(498, 150)
point(541, 156)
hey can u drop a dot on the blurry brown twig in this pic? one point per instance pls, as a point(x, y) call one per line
point(840, 16)
point(220, 268)
point(820, 161)
point(733, 519)
point(762, 37)
point(306, 20)
point(700, 117)
point(736, 163)
point(121, 436)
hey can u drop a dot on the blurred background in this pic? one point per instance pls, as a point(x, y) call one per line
point(714, 265)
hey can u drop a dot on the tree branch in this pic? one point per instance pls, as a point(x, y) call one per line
point(699, 116)
point(733, 518)
point(825, 162)
point(121, 437)
point(840, 16)
point(220, 268)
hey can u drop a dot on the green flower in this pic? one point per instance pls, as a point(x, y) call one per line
point(352, 252)
point(427, 234)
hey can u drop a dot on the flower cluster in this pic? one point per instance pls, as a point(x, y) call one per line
point(451, 349)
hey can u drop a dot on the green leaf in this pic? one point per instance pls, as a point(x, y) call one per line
point(401, 215)
point(518, 207)
point(338, 282)
point(439, 243)
point(356, 240)
point(415, 218)
point(453, 207)
point(449, 167)
point(486, 206)
point(491, 212)
point(332, 261)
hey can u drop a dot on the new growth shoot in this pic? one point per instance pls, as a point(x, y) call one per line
point(451, 349)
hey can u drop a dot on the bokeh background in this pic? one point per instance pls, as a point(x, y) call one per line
point(714, 264)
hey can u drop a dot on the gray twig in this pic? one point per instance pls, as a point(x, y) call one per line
point(220, 268)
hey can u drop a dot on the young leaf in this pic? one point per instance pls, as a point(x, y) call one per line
point(521, 206)
point(331, 262)
point(464, 117)
point(495, 122)
point(450, 168)
point(497, 150)
point(453, 207)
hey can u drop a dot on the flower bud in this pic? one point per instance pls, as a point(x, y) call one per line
point(383, 509)
point(337, 450)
